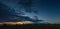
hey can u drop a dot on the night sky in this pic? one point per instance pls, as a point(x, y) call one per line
point(16, 10)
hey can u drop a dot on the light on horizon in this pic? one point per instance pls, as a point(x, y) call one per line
point(15, 23)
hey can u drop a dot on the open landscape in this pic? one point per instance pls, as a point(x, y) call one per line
point(29, 14)
point(31, 26)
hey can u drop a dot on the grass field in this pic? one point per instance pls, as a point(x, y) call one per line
point(31, 26)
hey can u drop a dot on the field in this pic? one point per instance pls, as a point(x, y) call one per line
point(31, 26)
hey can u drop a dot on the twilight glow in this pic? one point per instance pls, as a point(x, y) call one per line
point(32, 11)
point(16, 23)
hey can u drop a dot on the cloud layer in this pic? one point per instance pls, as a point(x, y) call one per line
point(15, 11)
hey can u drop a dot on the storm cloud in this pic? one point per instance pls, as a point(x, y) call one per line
point(15, 10)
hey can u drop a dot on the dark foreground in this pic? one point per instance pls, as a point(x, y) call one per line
point(31, 26)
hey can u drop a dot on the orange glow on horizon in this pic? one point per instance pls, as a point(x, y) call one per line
point(15, 23)
point(19, 23)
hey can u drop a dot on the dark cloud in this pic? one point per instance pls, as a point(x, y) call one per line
point(4, 12)
point(46, 9)
point(8, 14)
point(26, 18)
point(28, 4)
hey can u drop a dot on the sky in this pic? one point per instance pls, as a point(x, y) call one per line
point(46, 10)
